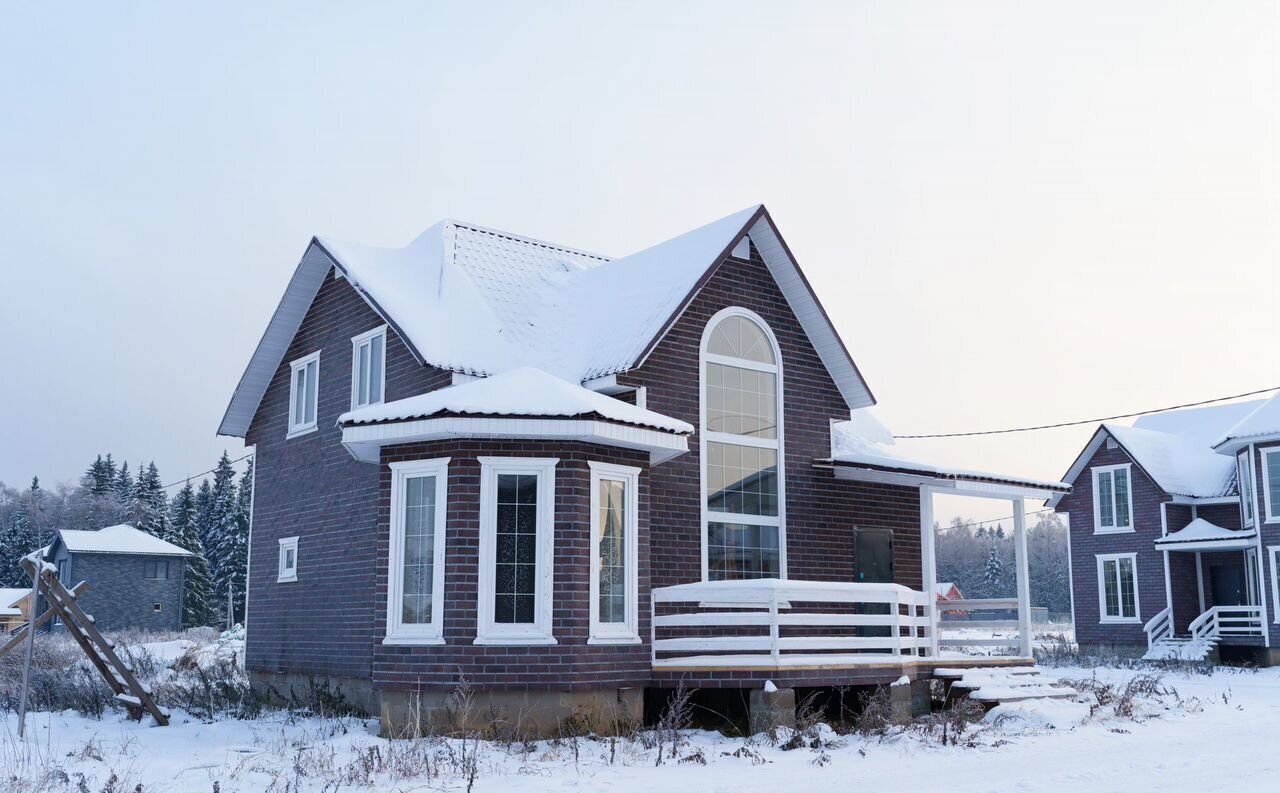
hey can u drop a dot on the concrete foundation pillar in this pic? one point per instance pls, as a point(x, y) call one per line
point(769, 709)
point(911, 700)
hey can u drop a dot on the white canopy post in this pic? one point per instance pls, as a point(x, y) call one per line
point(1023, 576)
point(929, 566)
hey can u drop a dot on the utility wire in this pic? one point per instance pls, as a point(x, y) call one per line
point(202, 473)
point(1089, 421)
point(994, 520)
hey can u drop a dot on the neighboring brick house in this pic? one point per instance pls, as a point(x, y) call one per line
point(1170, 555)
point(135, 580)
point(14, 609)
point(489, 457)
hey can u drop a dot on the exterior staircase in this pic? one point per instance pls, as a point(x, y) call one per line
point(1181, 648)
point(1203, 634)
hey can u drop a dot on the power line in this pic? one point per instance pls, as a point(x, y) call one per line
point(202, 473)
point(1088, 421)
point(995, 520)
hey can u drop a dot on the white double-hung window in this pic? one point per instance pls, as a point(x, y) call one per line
point(1118, 587)
point(368, 367)
point(614, 552)
point(1271, 485)
point(517, 547)
point(415, 576)
point(303, 394)
point(1244, 474)
point(744, 524)
point(1112, 499)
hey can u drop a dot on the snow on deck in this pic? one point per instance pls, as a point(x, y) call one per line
point(519, 392)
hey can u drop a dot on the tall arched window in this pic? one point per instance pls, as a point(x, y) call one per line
point(743, 515)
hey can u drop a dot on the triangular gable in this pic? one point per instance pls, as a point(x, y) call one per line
point(1090, 449)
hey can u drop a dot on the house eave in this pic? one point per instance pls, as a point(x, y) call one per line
point(954, 482)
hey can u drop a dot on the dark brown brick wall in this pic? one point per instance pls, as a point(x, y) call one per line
point(309, 486)
point(822, 512)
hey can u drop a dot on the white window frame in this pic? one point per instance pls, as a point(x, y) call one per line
point(627, 632)
point(1103, 618)
point(1098, 528)
point(538, 632)
point(285, 573)
point(1247, 484)
point(425, 633)
point(297, 427)
point(705, 437)
point(1273, 510)
point(366, 340)
point(1273, 554)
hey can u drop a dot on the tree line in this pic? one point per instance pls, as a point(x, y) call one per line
point(210, 520)
point(979, 559)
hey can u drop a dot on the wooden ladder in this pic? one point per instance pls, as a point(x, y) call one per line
point(100, 652)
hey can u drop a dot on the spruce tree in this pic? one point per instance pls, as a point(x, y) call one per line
point(184, 534)
point(124, 483)
point(149, 510)
point(13, 544)
point(229, 541)
point(993, 573)
point(95, 480)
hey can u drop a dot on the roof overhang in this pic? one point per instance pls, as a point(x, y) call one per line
point(1246, 539)
point(365, 441)
point(952, 483)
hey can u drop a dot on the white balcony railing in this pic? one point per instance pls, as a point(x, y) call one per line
point(769, 623)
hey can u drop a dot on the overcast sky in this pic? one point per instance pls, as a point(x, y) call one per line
point(1015, 213)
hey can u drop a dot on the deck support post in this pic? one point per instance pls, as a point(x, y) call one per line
point(1023, 577)
point(929, 566)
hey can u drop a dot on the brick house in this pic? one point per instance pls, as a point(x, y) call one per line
point(135, 580)
point(572, 480)
point(1175, 534)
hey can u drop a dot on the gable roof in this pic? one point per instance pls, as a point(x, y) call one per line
point(1173, 449)
point(121, 539)
point(10, 596)
point(478, 301)
point(1261, 422)
point(518, 392)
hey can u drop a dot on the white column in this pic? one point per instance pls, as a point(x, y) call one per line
point(929, 566)
point(1024, 577)
point(1168, 591)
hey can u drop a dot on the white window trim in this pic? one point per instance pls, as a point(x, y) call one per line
point(433, 632)
point(1273, 551)
point(704, 436)
point(1102, 591)
point(283, 574)
point(1098, 528)
point(1272, 515)
point(1247, 479)
point(356, 343)
point(539, 632)
point(296, 428)
point(627, 632)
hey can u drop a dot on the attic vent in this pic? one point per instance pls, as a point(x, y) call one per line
point(1111, 443)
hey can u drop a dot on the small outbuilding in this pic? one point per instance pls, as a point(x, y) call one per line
point(135, 579)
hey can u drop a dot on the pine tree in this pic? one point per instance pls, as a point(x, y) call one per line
point(149, 510)
point(993, 573)
point(228, 539)
point(13, 541)
point(124, 483)
point(96, 480)
point(204, 518)
point(184, 534)
point(109, 470)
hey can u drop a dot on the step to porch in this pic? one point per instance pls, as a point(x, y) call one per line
point(992, 686)
point(1181, 648)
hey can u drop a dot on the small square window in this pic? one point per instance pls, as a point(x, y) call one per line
point(288, 568)
point(157, 607)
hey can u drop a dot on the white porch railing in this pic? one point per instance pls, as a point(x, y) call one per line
point(769, 623)
point(1159, 627)
point(980, 632)
point(1222, 621)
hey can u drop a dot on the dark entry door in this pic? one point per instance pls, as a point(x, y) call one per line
point(1226, 583)
point(873, 564)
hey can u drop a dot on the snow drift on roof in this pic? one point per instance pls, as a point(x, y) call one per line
point(865, 440)
point(1262, 421)
point(1178, 466)
point(481, 301)
point(1201, 530)
point(118, 539)
point(525, 391)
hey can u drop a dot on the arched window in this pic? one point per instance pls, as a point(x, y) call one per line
point(743, 515)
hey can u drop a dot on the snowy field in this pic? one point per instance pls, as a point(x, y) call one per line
point(1202, 732)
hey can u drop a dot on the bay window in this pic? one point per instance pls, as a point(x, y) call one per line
point(415, 577)
point(614, 552)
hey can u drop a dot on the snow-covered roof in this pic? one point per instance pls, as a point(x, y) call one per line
point(123, 539)
point(864, 441)
point(478, 301)
point(10, 596)
point(1175, 449)
point(1202, 532)
point(524, 391)
point(1261, 422)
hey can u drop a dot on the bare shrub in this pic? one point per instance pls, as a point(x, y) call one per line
point(677, 716)
point(875, 715)
point(950, 725)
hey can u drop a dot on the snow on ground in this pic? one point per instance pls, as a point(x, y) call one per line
point(1216, 733)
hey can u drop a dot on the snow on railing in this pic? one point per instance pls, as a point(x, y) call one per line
point(769, 623)
point(1159, 627)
